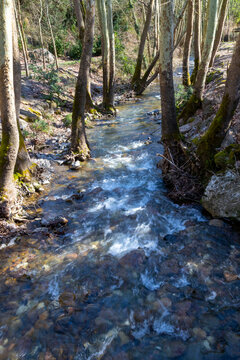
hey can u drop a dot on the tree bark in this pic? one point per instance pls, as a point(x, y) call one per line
point(105, 50)
point(22, 37)
point(216, 133)
point(137, 74)
point(170, 129)
point(23, 161)
point(79, 143)
point(218, 37)
point(197, 40)
point(111, 55)
point(187, 44)
point(195, 102)
point(80, 20)
point(40, 34)
point(80, 15)
point(10, 139)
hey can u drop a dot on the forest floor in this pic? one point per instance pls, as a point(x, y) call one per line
point(47, 99)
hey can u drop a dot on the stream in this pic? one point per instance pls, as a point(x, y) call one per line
point(132, 275)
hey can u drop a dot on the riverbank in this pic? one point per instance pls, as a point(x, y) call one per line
point(220, 195)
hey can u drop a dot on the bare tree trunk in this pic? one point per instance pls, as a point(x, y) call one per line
point(52, 36)
point(40, 33)
point(22, 37)
point(148, 38)
point(197, 39)
point(105, 50)
point(195, 101)
point(170, 130)
point(80, 20)
point(216, 133)
point(10, 139)
point(111, 55)
point(222, 18)
point(187, 44)
point(21, 27)
point(137, 74)
point(79, 143)
point(136, 25)
point(80, 15)
point(23, 161)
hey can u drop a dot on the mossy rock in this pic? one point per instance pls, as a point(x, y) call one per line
point(226, 158)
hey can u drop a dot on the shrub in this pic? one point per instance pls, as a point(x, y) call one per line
point(182, 95)
point(75, 51)
point(67, 120)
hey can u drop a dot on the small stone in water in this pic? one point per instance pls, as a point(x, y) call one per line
point(230, 276)
point(199, 333)
point(76, 165)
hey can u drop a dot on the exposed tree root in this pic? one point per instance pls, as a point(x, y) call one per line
point(180, 174)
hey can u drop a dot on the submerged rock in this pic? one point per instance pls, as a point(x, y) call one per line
point(222, 196)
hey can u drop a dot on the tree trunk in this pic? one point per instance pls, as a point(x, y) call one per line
point(105, 51)
point(22, 37)
point(80, 15)
point(52, 36)
point(197, 40)
point(79, 143)
point(195, 102)
point(23, 161)
point(80, 20)
point(137, 74)
point(10, 138)
point(136, 25)
point(216, 133)
point(187, 44)
point(169, 124)
point(222, 18)
point(21, 28)
point(111, 55)
point(40, 34)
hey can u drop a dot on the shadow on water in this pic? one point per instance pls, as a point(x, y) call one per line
point(133, 275)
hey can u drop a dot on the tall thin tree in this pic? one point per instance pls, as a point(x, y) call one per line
point(79, 143)
point(10, 138)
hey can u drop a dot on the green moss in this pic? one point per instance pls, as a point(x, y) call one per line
point(227, 157)
point(213, 138)
point(193, 104)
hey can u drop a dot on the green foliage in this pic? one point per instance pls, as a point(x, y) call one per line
point(75, 51)
point(60, 46)
point(67, 120)
point(40, 125)
point(128, 65)
point(51, 77)
point(97, 46)
point(234, 10)
point(182, 96)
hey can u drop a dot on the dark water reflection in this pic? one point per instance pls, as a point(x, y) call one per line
point(134, 276)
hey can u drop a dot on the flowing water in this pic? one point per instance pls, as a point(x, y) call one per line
point(132, 275)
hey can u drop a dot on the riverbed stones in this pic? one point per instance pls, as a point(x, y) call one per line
point(54, 222)
point(134, 259)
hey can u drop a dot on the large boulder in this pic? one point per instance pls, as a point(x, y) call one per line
point(36, 55)
point(222, 195)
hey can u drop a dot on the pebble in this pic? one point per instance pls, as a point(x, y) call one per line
point(216, 222)
point(76, 165)
point(199, 333)
point(229, 277)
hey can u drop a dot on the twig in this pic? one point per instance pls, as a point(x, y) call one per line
point(171, 162)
